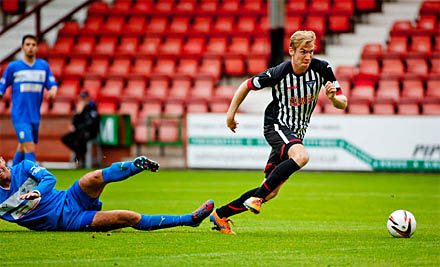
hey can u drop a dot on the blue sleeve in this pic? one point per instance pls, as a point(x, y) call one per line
point(44, 177)
point(50, 79)
point(6, 79)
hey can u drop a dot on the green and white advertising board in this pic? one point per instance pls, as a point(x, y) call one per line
point(334, 142)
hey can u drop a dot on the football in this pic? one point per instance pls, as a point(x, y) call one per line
point(401, 223)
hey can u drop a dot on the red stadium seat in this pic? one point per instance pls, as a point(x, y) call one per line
point(208, 7)
point(358, 107)
point(234, 65)
point(257, 64)
point(171, 47)
point(328, 108)
point(180, 88)
point(224, 91)
point(135, 89)
point(179, 25)
point(297, 7)
point(224, 24)
point(260, 46)
point(401, 27)
point(98, 8)
point(92, 26)
point(417, 66)
point(63, 47)
point(426, 25)
point(383, 109)
point(188, 66)
point(392, 68)
point(412, 89)
point(194, 46)
point(408, 108)
point(142, 8)
point(366, 5)
point(127, 47)
point(203, 88)
point(57, 66)
point(263, 25)
point(219, 105)
point(69, 28)
point(435, 66)
point(107, 107)
point(433, 88)
point(112, 89)
point(372, 51)
point(135, 26)
point(120, 67)
point(293, 24)
point(254, 7)
point(174, 107)
point(317, 24)
point(165, 66)
point(217, 45)
point(93, 86)
point(106, 46)
point(150, 107)
point(319, 7)
point(362, 92)
point(169, 131)
point(420, 46)
point(142, 67)
point(11, 6)
point(397, 47)
point(197, 106)
point(202, 24)
point(140, 133)
point(158, 87)
point(211, 66)
point(388, 90)
point(98, 67)
point(431, 108)
point(157, 25)
point(431, 7)
point(131, 108)
point(113, 26)
point(186, 7)
point(339, 23)
point(84, 46)
point(76, 67)
point(150, 46)
point(229, 7)
point(342, 7)
point(239, 46)
point(344, 71)
point(163, 7)
point(68, 89)
point(120, 8)
point(61, 106)
point(246, 25)
point(369, 67)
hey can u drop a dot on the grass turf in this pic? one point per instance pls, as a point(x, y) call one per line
point(324, 219)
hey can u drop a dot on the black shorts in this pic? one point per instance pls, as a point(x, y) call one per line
point(280, 138)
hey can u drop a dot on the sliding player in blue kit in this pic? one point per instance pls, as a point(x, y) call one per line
point(28, 198)
point(28, 77)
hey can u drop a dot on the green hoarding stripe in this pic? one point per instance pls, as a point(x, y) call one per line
point(376, 164)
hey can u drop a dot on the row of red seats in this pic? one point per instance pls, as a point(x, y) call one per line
point(382, 108)
point(166, 7)
point(425, 25)
point(123, 67)
point(154, 46)
point(201, 25)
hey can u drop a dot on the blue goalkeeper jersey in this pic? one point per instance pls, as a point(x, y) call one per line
point(27, 83)
point(42, 213)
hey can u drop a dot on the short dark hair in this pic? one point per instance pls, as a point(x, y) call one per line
point(29, 36)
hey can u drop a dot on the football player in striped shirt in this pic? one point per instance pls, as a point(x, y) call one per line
point(28, 77)
point(295, 84)
point(28, 198)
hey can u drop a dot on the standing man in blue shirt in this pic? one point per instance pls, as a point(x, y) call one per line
point(28, 198)
point(28, 77)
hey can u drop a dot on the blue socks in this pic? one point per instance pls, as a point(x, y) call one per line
point(154, 222)
point(30, 156)
point(17, 158)
point(119, 171)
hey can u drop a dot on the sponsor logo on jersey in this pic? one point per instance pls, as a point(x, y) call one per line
point(310, 84)
point(299, 101)
point(35, 170)
point(292, 87)
point(30, 76)
point(31, 87)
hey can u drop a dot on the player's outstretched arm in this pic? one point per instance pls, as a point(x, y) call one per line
point(338, 101)
point(236, 101)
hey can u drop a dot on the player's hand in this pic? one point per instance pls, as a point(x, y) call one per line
point(30, 196)
point(51, 94)
point(330, 90)
point(231, 123)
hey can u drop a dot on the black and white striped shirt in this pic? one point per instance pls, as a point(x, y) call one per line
point(294, 96)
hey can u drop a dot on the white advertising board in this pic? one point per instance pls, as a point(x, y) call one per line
point(334, 142)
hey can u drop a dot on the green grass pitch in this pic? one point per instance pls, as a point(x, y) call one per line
point(318, 219)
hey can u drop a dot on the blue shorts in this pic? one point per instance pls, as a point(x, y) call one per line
point(27, 132)
point(79, 209)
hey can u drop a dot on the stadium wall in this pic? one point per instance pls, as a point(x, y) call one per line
point(334, 142)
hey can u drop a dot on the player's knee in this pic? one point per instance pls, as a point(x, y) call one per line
point(129, 218)
point(301, 158)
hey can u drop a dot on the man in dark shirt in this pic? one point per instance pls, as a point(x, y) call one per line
point(85, 127)
point(295, 88)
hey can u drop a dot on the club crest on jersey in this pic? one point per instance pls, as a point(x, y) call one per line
point(310, 84)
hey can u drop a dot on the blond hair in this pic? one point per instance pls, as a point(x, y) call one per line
point(301, 37)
